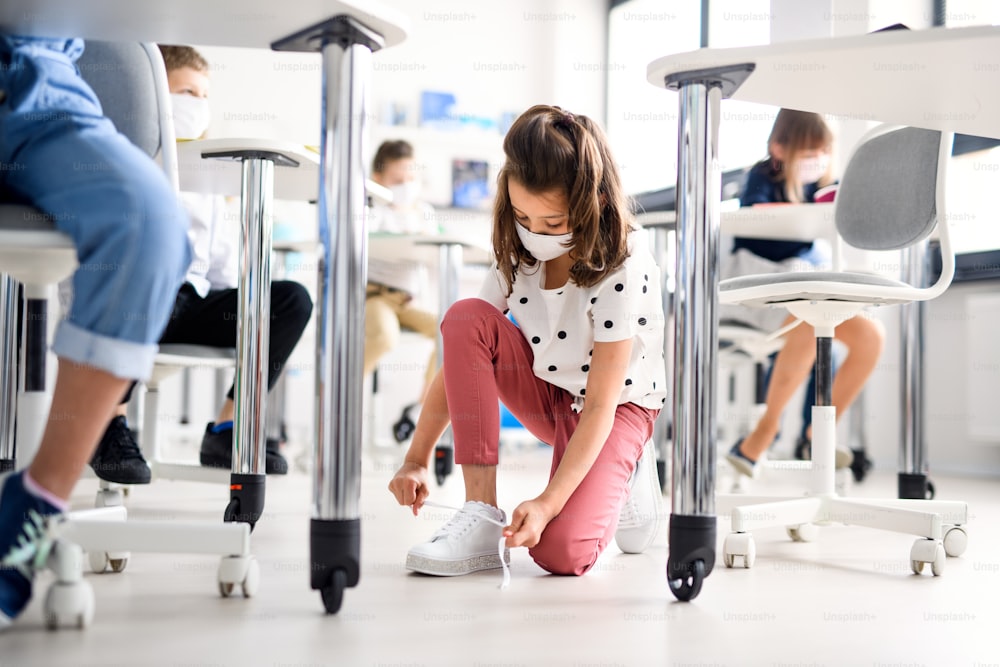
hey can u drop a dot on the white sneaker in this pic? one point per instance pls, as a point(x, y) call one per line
point(466, 543)
point(641, 517)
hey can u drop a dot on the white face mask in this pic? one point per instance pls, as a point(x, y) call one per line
point(543, 247)
point(405, 194)
point(191, 115)
point(811, 169)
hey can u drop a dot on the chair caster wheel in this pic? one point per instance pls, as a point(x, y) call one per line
point(803, 532)
point(333, 593)
point(242, 570)
point(739, 545)
point(69, 605)
point(444, 463)
point(955, 541)
point(687, 588)
point(927, 552)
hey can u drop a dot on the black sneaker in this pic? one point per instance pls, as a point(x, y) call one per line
point(118, 458)
point(217, 452)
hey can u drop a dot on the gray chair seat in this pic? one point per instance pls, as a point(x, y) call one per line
point(792, 279)
point(32, 250)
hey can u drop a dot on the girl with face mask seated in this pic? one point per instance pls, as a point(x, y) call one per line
point(797, 167)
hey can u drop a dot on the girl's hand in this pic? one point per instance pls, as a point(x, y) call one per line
point(527, 523)
point(409, 485)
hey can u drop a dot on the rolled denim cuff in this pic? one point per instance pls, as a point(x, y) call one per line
point(121, 358)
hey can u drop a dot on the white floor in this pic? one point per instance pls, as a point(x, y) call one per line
point(846, 599)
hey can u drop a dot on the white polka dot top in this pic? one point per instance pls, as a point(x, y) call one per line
point(562, 324)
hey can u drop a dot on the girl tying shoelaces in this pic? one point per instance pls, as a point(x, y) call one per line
point(580, 366)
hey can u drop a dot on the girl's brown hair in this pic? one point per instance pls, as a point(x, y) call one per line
point(797, 132)
point(551, 150)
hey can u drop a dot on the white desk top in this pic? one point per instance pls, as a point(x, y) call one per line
point(425, 248)
point(943, 78)
point(242, 23)
point(223, 177)
point(793, 222)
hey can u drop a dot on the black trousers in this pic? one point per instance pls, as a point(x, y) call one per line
point(212, 321)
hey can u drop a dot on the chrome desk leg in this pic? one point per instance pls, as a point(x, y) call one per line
point(335, 528)
point(246, 502)
point(449, 269)
point(692, 519)
point(8, 370)
point(912, 481)
point(696, 327)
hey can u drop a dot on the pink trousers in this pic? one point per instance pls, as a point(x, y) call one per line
point(486, 359)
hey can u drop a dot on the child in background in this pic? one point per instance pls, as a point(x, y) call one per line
point(797, 166)
point(392, 286)
point(206, 307)
point(583, 371)
point(130, 236)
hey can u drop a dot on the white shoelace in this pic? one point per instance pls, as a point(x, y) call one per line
point(500, 545)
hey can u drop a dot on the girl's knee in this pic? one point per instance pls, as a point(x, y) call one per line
point(296, 304)
point(558, 553)
point(864, 334)
point(463, 313)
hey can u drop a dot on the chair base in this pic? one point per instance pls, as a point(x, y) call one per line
point(109, 539)
point(939, 524)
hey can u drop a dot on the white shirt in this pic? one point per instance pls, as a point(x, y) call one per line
point(562, 324)
point(215, 238)
point(417, 219)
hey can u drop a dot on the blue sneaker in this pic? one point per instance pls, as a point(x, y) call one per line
point(743, 463)
point(25, 543)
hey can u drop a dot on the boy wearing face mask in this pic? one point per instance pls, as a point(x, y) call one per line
point(205, 309)
point(797, 166)
point(392, 286)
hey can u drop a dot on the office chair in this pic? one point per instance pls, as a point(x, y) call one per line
point(891, 197)
point(130, 80)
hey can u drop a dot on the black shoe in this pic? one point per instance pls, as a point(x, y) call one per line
point(118, 458)
point(843, 457)
point(217, 452)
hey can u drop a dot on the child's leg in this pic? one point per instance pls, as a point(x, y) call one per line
point(381, 330)
point(129, 231)
point(864, 338)
point(73, 418)
point(486, 360)
point(579, 534)
point(791, 368)
point(213, 321)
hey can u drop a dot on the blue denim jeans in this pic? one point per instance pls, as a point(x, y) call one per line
point(60, 154)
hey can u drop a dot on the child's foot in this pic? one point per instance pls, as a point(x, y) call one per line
point(640, 519)
point(743, 463)
point(118, 458)
point(217, 450)
point(466, 543)
point(842, 457)
point(24, 543)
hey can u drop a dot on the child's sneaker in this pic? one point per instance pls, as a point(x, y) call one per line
point(25, 543)
point(743, 463)
point(466, 543)
point(641, 517)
